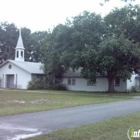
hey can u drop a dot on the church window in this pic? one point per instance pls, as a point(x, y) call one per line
point(22, 54)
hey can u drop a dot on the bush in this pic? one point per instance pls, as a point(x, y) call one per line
point(40, 84)
point(134, 89)
point(35, 84)
point(57, 87)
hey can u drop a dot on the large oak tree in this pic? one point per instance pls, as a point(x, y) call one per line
point(105, 46)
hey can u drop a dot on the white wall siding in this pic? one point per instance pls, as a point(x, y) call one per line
point(122, 87)
point(100, 86)
point(22, 79)
point(81, 85)
point(131, 82)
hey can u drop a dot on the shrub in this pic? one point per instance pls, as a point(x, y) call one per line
point(134, 89)
point(57, 87)
point(40, 84)
point(35, 84)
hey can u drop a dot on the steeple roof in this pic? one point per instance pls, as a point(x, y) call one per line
point(20, 42)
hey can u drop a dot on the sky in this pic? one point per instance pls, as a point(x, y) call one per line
point(39, 15)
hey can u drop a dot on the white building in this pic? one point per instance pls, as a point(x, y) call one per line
point(17, 73)
point(75, 81)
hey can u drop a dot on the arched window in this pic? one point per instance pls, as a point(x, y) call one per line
point(10, 66)
point(22, 54)
point(17, 54)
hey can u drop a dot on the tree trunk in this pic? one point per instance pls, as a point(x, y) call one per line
point(111, 84)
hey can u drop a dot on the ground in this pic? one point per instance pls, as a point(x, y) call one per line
point(22, 101)
point(101, 107)
point(112, 129)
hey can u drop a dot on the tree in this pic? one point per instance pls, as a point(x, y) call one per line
point(52, 50)
point(119, 58)
point(118, 53)
point(116, 57)
point(37, 38)
point(85, 31)
point(127, 1)
point(8, 40)
point(100, 46)
point(65, 43)
point(26, 36)
point(124, 21)
point(32, 43)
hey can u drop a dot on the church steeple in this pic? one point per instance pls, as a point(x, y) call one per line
point(19, 50)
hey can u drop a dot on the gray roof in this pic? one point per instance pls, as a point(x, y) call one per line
point(30, 67)
point(76, 74)
point(71, 73)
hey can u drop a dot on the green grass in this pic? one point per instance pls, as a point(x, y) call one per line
point(112, 129)
point(22, 101)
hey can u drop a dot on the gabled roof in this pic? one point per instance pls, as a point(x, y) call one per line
point(71, 73)
point(76, 74)
point(30, 67)
point(20, 42)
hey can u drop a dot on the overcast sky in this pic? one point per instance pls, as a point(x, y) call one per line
point(39, 15)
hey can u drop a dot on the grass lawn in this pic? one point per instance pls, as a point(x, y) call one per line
point(112, 129)
point(21, 101)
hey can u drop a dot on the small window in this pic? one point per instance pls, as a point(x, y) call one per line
point(71, 81)
point(117, 82)
point(89, 83)
point(10, 66)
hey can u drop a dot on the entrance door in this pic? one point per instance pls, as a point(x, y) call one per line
point(10, 81)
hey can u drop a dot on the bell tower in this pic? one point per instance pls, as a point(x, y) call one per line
point(19, 50)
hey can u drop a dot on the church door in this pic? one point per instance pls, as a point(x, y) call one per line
point(10, 81)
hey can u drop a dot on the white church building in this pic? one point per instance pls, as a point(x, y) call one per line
point(17, 74)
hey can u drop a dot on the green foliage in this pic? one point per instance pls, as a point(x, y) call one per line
point(35, 46)
point(106, 46)
point(41, 84)
point(122, 26)
point(56, 87)
point(124, 21)
point(134, 89)
point(8, 39)
point(14, 102)
point(35, 84)
point(32, 44)
point(64, 46)
point(52, 48)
